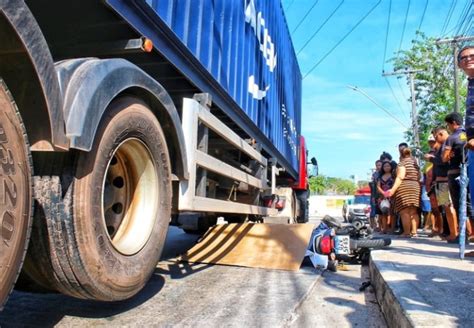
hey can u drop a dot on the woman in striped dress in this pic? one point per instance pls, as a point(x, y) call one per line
point(407, 193)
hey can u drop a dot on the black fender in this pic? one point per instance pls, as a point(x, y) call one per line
point(89, 85)
point(27, 67)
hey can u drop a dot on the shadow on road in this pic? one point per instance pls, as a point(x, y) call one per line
point(47, 310)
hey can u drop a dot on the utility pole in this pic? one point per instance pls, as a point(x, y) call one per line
point(411, 74)
point(454, 43)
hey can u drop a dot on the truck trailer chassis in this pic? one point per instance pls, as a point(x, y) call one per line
point(100, 152)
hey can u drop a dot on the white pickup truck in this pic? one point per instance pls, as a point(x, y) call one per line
point(357, 207)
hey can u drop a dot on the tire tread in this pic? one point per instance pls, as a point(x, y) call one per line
point(22, 129)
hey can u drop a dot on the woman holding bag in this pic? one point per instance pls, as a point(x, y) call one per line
point(385, 181)
point(407, 191)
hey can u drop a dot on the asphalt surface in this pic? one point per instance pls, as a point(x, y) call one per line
point(185, 295)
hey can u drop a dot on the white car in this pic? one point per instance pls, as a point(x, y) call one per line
point(359, 207)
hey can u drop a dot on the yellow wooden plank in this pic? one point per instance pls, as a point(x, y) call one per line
point(269, 246)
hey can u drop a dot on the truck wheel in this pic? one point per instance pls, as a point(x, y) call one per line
point(108, 234)
point(15, 208)
point(303, 205)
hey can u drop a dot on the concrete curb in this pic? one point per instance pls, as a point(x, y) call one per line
point(394, 314)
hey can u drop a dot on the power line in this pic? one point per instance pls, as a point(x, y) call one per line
point(446, 33)
point(467, 29)
point(403, 31)
point(448, 17)
point(401, 89)
point(319, 28)
point(422, 17)
point(377, 104)
point(343, 38)
point(396, 98)
point(288, 7)
point(307, 13)
point(386, 34)
point(414, 118)
point(463, 17)
point(384, 58)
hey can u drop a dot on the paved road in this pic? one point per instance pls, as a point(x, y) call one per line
point(187, 295)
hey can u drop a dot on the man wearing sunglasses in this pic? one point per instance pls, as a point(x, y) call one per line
point(466, 63)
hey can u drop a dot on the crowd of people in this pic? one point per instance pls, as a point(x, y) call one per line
point(396, 194)
point(405, 198)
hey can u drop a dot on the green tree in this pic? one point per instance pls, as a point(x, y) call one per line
point(434, 86)
point(318, 184)
point(345, 187)
point(321, 185)
point(340, 186)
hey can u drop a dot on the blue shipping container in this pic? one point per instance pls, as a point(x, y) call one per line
point(246, 47)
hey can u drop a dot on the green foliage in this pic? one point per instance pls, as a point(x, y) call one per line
point(321, 185)
point(318, 184)
point(434, 87)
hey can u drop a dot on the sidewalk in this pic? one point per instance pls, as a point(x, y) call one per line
point(421, 282)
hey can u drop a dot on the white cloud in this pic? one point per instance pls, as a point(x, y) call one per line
point(342, 125)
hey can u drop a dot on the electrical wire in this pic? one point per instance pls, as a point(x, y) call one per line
point(463, 17)
point(378, 105)
point(343, 38)
point(404, 27)
point(422, 17)
point(304, 17)
point(386, 34)
point(401, 89)
point(396, 99)
point(468, 29)
point(288, 7)
point(320, 27)
point(448, 17)
point(384, 58)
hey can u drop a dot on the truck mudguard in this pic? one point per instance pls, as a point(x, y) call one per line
point(28, 69)
point(89, 85)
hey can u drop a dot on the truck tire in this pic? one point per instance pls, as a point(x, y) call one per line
point(303, 211)
point(104, 238)
point(15, 208)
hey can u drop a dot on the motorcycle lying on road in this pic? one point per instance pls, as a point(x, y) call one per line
point(331, 242)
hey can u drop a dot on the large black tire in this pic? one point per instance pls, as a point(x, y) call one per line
point(104, 230)
point(302, 199)
point(370, 243)
point(15, 207)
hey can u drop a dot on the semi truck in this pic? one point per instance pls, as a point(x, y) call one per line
point(121, 117)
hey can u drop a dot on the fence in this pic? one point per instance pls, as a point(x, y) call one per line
point(331, 205)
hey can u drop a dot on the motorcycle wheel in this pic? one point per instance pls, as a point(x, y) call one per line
point(370, 243)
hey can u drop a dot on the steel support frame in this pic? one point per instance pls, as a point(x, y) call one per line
point(193, 114)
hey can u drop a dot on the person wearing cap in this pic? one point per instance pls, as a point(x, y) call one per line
point(453, 154)
point(447, 226)
point(466, 63)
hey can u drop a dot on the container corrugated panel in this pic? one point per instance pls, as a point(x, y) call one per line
point(245, 45)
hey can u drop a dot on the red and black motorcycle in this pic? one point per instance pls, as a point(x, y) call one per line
point(331, 242)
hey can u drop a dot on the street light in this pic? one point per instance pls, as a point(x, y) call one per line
point(377, 104)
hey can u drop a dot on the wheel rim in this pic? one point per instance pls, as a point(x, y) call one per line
point(130, 196)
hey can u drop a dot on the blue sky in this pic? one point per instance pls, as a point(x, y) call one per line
point(343, 129)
